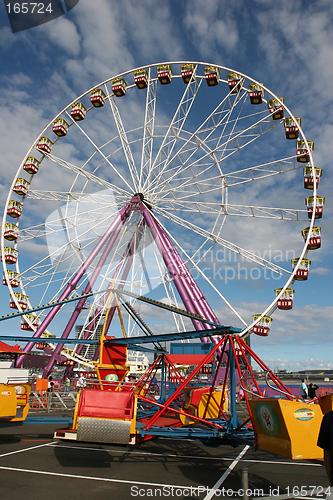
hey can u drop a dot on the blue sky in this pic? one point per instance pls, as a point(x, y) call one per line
point(286, 45)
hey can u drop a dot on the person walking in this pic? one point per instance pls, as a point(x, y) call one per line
point(304, 389)
point(81, 383)
point(67, 384)
point(50, 385)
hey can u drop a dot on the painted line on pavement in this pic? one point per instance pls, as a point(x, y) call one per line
point(92, 478)
point(226, 473)
point(25, 449)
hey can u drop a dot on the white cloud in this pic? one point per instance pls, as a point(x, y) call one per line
point(8, 39)
point(298, 365)
point(63, 33)
point(212, 27)
point(17, 80)
point(323, 271)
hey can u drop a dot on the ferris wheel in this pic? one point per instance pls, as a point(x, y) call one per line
point(147, 181)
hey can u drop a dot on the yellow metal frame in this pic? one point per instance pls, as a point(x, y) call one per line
point(14, 398)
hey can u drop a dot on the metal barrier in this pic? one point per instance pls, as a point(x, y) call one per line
point(53, 401)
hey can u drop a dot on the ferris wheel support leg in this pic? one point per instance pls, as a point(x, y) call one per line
point(233, 422)
point(123, 214)
point(128, 258)
point(169, 252)
point(192, 297)
point(78, 308)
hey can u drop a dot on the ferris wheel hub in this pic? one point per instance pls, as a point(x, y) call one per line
point(140, 195)
point(142, 198)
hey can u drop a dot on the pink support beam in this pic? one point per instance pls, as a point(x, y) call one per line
point(193, 299)
point(127, 259)
point(121, 217)
point(48, 368)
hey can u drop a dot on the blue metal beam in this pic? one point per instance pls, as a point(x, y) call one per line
point(162, 305)
point(168, 337)
point(47, 340)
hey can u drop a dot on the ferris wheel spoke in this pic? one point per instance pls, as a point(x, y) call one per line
point(189, 259)
point(72, 247)
point(226, 244)
point(104, 156)
point(89, 176)
point(262, 171)
point(176, 125)
point(197, 164)
point(124, 141)
point(70, 196)
point(224, 149)
point(236, 210)
point(148, 132)
point(242, 176)
point(197, 183)
point(91, 220)
point(199, 139)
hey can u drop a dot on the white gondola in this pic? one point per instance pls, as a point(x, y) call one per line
point(212, 75)
point(256, 93)
point(275, 108)
point(235, 82)
point(97, 98)
point(13, 277)
point(10, 255)
point(302, 272)
point(141, 78)
point(164, 74)
point(31, 165)
point(21, 299)
point(291, 127)
point(21, 186)
point(11, 231)
point(308, 177)
point(302, 151)
point(14, 208)
point(25, 322)
point(320, 200)
point(119, 87)
point(286, 299)
point(44, 145)
point(187, 72)
point(315, 237)
point(60, 127)
point(262, 327)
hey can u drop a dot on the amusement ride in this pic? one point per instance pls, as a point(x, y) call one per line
point(121, 208)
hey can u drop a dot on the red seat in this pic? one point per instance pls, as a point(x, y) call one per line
point(196, 395)
point(106, 404)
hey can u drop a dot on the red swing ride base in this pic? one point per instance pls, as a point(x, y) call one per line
point(112, 410)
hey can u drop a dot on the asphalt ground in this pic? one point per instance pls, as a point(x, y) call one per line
point(33, 465)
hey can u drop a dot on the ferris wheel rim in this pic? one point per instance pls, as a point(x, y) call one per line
point(151, 66)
